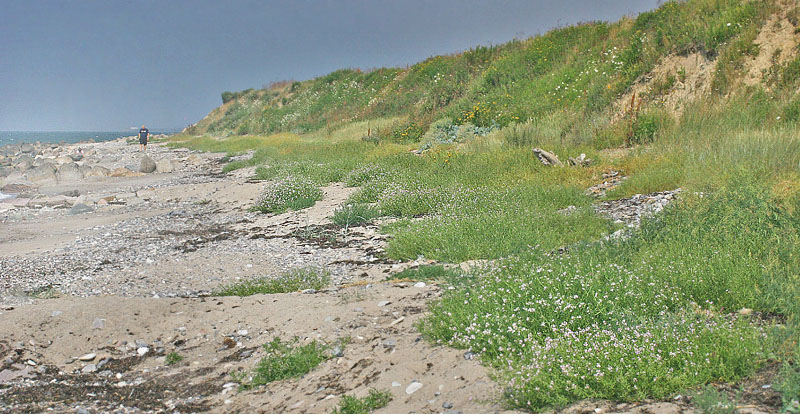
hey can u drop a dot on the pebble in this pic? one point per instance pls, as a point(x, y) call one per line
point(89, 368)
point(390, 343)
point(419, 285)
point(98, 323)
point(383, 303)
point(142, 351)
point(447, 405)
point(87, 357)
point(396, 384)
point(56, 313)
point(413, 387)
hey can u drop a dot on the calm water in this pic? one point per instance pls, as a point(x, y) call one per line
point(17, 137)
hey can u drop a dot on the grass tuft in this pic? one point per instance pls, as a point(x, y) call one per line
point(373, 401)
point(284, 360)
point(291, 281)
point(354, 214)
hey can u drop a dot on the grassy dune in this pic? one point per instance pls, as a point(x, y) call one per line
point(706, 292)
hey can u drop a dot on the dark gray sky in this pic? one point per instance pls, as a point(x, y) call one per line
point(110, 65)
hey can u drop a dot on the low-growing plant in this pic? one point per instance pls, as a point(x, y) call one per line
point(173, 358)
point(284, 360)
point(354, 214)
point(427, 273)
point(288, 193)
point(712, 401)
point(373, 401)
point(364, 174)
point(788, 384)
point(291, 281)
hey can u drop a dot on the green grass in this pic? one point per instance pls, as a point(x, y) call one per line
point(291, 281)
point(173, 358)
point(428, 273)
point(354, 214)
point(373, 401)
point(284, 360)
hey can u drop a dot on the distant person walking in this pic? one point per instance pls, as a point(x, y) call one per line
point(144, 134)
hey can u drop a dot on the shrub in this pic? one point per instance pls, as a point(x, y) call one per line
point(288, 193)
point(374, 401)
point(283, 361)
point(354, 214)
point(648, 125)
point(291, 281)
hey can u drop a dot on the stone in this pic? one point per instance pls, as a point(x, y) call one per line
point(419, 285)
point(194, 159)
point(125, 172)
point(98, 323)
point(69, 172)
point(579, 161)
point(27, 148)
point(98, 171)
point(547, 157)
point(41, 174)
point(383, 303)
point(390, 343)
point(88, 357)
point(447, 405)
point(413, 387)
point(164, 166)
point(147, 165)
point(89, 369)
point(396, 384)
point(142, 351)
point(76, 157)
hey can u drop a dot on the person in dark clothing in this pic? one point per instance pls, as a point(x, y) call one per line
point(144, 134)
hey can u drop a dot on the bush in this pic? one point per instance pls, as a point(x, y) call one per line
point(288, 193)
point(291, 281)
point(648, 125)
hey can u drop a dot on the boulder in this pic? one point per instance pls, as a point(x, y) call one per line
point(164, 166)
point(124, 172)
point(80, 208)
point(195, 159)
point(16, 177)
point(85, 169)
point(580, 161)
point(76, 157)
point(27, 148)
point(41, 174)
point(98, 172)
point(64, 160)
point(147, 165)
point(69, 172)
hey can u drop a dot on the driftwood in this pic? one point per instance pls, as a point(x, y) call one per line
point(546, 157)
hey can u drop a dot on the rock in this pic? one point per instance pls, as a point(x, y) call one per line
point(69, 172)
point(194, 159)
point(383, 303)
point(89, 369)
point(164, 166)
point(469, 355)
point(124, 172)
point(419, 285)
point(447, 405)
point(142, 351)
point(547, 158)
point(98, 171)
point(147, 165)
point(76, 157)
point(87, 357)
point(55, 313)
point(63, 160)
point(41, 174)
point(98, 323)
point(27, 148)
point(396, 384)
point(413, 387)
point(18, 189)
point(390, 343)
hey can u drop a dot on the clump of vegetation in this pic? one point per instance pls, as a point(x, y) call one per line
point(373, 401)
point(711, 401)
point(365, 174)
point(173, 358)
point(789, 386)
point(284, 360)
point(427, 273)
point(354, 214)
point(288, 193)
point(291, 281)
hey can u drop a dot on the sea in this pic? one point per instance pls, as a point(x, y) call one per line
point(18, 137)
